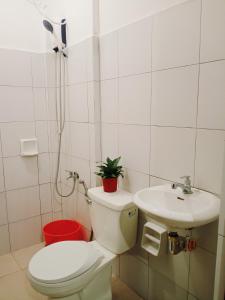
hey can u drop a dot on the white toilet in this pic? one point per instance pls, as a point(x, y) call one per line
point(78, 270)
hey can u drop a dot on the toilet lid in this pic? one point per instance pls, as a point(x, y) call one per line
point(62, 261)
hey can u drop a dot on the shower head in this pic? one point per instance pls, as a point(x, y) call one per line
point(60, 45)
point(48, 26)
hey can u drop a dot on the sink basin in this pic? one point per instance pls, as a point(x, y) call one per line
point(176, 209)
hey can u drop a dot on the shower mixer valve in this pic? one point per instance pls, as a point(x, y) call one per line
point(72, 174)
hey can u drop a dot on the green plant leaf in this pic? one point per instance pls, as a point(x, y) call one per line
point(110, 168)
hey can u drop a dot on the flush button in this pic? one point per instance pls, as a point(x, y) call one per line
point(132, 213)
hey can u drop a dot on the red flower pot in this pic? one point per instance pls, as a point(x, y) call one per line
point(109, 185)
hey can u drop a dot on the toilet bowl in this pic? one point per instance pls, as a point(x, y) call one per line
point(78, 270)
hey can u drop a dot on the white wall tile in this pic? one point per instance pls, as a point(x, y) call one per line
point(57, 215)
point(134, 181)
point(94, 105)
point(135, 274)
point(78, 102)
point(44, 168)
point(20, 172)
point(82, 167)
point(16, 104)
point(174, 267)
point(51, 69)
point(172, 152)
point(66, 138)
point(176, 36)
point(2, 181)
point(209, 160)
point(4, 240)
point(3, 209)
point(53, 157)
point(42, 136)
point(137, 251)
point(211, 109)
point(25, 233)
point(213, 30)
point(46, 218)
point(67, 104)
point(45, 198)
point(83, 215)
point(109, 141)
point(160, 287)
point(174, 97)
point(12, 133)
point(38, 69)
point(109, 101)
point(56, 199)
point(134, 48)
point(69, 204)
point(206, 236)
point(52, 96)
point(65, 166)
point(15, 68)
point(26, 201)
point(154, 181)
point(134, 99)
point(95, 180)
point(40, 104)
point(95, 142)
point(77, 63)
point(53, 136)
point(93, 66)
point(201, 279)
point(109, 55)
point(134, 143)
point(80, 140)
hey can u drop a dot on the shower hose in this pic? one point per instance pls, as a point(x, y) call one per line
point(60, 95)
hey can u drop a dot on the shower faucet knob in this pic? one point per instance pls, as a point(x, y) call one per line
point(72, 174)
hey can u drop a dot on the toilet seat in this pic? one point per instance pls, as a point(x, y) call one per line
point(63, 261)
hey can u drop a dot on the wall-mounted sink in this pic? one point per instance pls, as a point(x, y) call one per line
point(176, 209)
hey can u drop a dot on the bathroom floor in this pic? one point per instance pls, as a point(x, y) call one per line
point(15, 286)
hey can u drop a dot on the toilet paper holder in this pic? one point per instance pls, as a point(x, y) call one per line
point(154, 239)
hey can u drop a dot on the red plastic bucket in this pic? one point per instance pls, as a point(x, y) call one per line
point(62, 230)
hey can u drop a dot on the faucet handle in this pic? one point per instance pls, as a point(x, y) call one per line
point(72, 174)
point(187, 179)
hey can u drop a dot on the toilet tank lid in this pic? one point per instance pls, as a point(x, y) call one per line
point(118, 200)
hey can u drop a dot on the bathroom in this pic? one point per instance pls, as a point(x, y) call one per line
point(143, 80)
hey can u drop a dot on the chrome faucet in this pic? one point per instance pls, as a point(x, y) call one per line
point(186, 186)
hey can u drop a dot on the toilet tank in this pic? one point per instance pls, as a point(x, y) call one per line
point(114, 219)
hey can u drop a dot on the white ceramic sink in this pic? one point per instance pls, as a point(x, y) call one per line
point(174, 208)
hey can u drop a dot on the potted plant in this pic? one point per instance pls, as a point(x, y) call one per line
point(110, 171)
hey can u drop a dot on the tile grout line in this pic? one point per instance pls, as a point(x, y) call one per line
point(196, 129)
point(161, 70)
point(35, 123)
point(165, 126)
point(151, 97)
point(5, 196)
